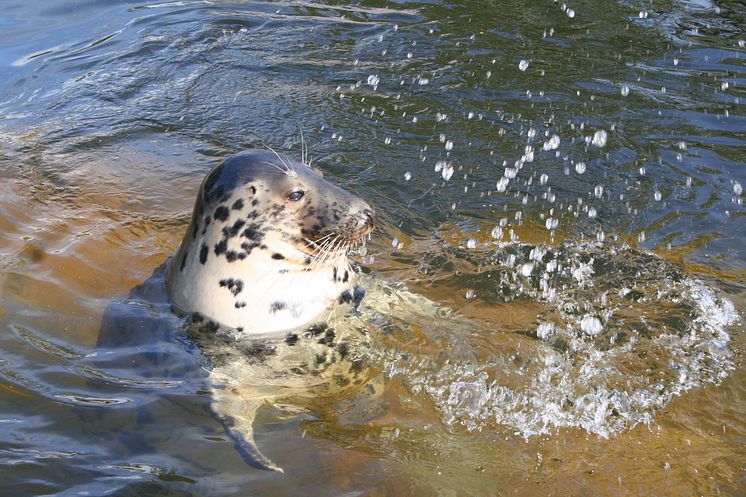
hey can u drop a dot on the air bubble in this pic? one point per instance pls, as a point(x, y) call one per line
point(449, 145)
point(737, 188)
point(598, 191)
point(407, 176)
point(624, 90)
point(373, 80)
point(523, 65)
point(543, 179)
point(471, 243)
point(580, 167)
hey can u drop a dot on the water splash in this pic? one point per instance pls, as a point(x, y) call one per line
point(620, 333)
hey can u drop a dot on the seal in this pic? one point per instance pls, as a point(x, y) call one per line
point(266, 249)
point(265, 255)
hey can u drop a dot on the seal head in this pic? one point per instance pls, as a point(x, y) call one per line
point(266, 249)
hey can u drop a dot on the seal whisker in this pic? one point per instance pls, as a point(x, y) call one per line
point(327, 250)
point(319, 252)
point(303, 147)
point(283, 171)
point(288, 165)
point(316, 242)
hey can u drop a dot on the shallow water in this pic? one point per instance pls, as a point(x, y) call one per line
point(444, 117)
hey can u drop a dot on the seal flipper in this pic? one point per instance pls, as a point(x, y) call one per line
point(236, 413)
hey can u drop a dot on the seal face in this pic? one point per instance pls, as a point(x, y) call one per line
point(266, 249)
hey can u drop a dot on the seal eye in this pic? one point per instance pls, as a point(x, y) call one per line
point(295, 196)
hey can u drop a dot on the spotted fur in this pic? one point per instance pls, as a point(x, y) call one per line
point(248, 237)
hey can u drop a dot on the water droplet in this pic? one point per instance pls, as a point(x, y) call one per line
point(641, 237)
point(471, 243)
point(591, 325)
point(531, 133)
point(676, 61)
point(724, 85)
point(552, 144)
point(447, 171)
point(658, 196)
point(737, 188)
point(624, 90)
point(502, 184)
point(592, 213)
point(470, 294)
point(407, 176)
point(570, 13)
point(551, 223)
point(373, 80)
point(523, 65)
point(543, 179)
point(449, 145)
point(395, 242)
point(510, 172)
point(497, 232)
point(526, 269)
point(643, 14)
point(387, 140)
point(580, 167)
point(545, 330)
point(599, 138)
point(598, 191)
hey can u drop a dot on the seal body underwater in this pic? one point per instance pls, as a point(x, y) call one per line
point(261, 266)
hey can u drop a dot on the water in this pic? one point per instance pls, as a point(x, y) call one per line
point(513, 151)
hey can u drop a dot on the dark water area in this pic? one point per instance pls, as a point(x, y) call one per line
point(601, 132)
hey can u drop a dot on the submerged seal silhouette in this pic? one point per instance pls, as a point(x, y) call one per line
point(266, 249)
